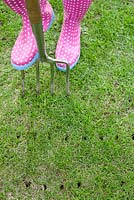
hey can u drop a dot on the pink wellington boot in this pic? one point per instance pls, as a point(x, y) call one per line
point(25, 51)
point(68, 47)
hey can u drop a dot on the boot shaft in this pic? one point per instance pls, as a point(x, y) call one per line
point(19, 6)
point(75, 9)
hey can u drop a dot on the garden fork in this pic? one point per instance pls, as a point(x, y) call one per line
point(34, 13)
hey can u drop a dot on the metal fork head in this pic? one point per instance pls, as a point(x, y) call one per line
point(54, 62)
point(52, 66)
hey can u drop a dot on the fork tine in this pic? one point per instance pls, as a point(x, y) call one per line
point(37, 78)
point(67, 80)
point(52, 78)
point(23, 82)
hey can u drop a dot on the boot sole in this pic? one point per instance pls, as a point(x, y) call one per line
point(62, 69)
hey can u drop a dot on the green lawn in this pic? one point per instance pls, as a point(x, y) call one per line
point(79, 147)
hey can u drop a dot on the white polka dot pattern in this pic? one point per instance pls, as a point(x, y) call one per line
point(68, 47)
point(25, 47)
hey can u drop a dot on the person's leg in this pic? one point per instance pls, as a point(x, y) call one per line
point(68, 47)
point(25, 52)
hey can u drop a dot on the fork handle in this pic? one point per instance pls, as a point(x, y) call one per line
point(34, 13)
point(33, 9)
